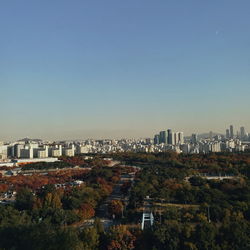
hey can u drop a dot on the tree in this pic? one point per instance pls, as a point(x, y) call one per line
point(24, 199)
point(99, 226)
point(50, 188)
point(52, 200)
point(86, 211)
point(90, 238)
point(205, 236)
point(67, 239)
point(167, 236)
point(9, 216)
point(115, 207)
point(3, 188)
point(235, 233)
point(119, 237)
point(197, 181)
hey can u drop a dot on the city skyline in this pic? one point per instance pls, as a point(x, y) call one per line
point(166, 140)
point(238, 131)
point(122, 69)
point(124, 124)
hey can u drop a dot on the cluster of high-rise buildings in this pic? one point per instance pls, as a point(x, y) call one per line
point(231, 142)
point(166, 140)
point(241, 134)
point(169, 137)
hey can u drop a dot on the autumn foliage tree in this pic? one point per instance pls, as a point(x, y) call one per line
point(86, 211)
point(52, 200)
point(119, 237)
point(3, 188)
point(115, 207)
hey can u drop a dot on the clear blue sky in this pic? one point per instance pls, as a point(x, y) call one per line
point(88, 68)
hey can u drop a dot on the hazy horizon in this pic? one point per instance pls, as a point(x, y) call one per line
point(100, 134)
point(94, 69)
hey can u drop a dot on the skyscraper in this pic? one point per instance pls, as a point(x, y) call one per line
point(227, 134)
point(231, 131)
point(163, 137)
point(194, 138)
point(175, 137)
point(180, 137)
point(157, 139)
point(242, 133)
point(210, 135)
point(170, 137)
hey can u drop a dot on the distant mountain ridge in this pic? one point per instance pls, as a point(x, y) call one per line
point(29, 139)
point(205, 135)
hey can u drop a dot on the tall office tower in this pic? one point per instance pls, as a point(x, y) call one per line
point(148, 141)
point(194, 138)
point(227, 134)
point(170, 137)
point(242, 133)
point(237, 134)
point(210, 135)
point(157, 139)
point(231, 131)
point(175, 138)
point(163, 137)
point(180, 138)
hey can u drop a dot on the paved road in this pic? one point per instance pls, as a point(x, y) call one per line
point(102, 212)
point(115, 195)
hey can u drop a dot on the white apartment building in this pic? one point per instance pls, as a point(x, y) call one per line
point(57, 151)
point(69, 151)
point(26, 153)
point(84, 149)
point(3, 152)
